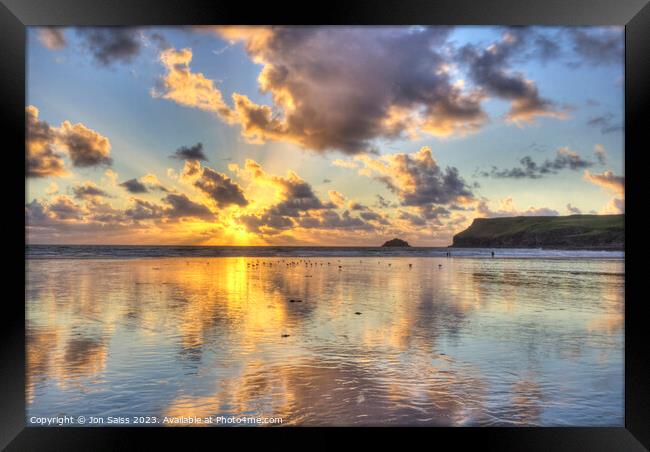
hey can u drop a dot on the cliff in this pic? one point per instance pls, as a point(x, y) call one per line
point(600, 232)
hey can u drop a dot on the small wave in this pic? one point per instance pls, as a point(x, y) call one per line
point(143, 251)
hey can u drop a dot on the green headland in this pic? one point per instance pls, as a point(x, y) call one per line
point(598, 232)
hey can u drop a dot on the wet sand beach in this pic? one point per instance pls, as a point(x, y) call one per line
point(329, 340)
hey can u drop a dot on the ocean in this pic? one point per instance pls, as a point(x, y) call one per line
point(142, 251)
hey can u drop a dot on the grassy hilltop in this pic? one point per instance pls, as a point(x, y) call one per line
point(567, 232)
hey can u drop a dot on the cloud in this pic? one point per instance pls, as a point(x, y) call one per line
point(607, 180)
point(152, 182)
point(182, 206)
point(414, 220)
point(143, 184)
point(354, 205)
point(112, 176)
point(88, 190)
point(416, 178)
point(383, 203)
point(606, 123)
point(175, 206)
point(425, 215)
point(190, 153)
point(615, 206)
point(508, 209)
point(46, 146)
point(369, 215)
point(109, 45)
point(190, 89)
point(85, 146)
point(220, 188)
point(350, 164)
point(330, 219)
point(336, 197)
point(144, 210)
point(52, 189)
point(52, 37)
point(295, 203)
point(565, 158)
point(134, 186)
point(613, 183)
point(335, 88)
point(41, 157)
point(599, 45)
point(490, 69)
point(64, 208)
point(600, 153)
point(573, 210)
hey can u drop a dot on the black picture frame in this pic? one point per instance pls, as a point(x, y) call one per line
point(16, 15)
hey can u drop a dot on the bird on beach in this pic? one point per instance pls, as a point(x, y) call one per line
point(439, 265)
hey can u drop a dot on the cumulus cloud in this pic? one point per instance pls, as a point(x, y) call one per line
point(64, 208)
point(335, 88)
point(143, 184)
point(88, 190)
point(185, 87)
point(490, 68)
point(370, 215)
point(425, 215)
point(85, 146)
point(613, 183)
point(220, 188)
point(143, 210)
point(565, 158)
point(508, 209)
point(52, 37)
point(295, 205)
point(416, 178)
point(134, 186)
point(599, 45)
point(330, 219)
point(41, 156)
point(190, 153)
point(607, 180)
point(181, 206)
point(46, 146)
point(109, 45)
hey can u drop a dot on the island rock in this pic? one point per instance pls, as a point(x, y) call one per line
point(396, 242)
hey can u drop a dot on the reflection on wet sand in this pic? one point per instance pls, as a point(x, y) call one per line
point(475, 342)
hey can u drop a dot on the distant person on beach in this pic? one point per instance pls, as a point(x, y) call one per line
point(492, 253)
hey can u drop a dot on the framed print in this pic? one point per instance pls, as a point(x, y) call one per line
point(406, 215)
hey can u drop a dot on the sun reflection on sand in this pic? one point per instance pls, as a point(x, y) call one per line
point(473, 342)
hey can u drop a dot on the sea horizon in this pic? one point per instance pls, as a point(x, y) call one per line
point(99, 251)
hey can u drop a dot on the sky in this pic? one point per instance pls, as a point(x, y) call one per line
point(254, 135)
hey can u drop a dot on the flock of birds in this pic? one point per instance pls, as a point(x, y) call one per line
point(307, 263)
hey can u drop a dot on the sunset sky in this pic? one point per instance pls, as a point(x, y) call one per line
point(316, 135)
